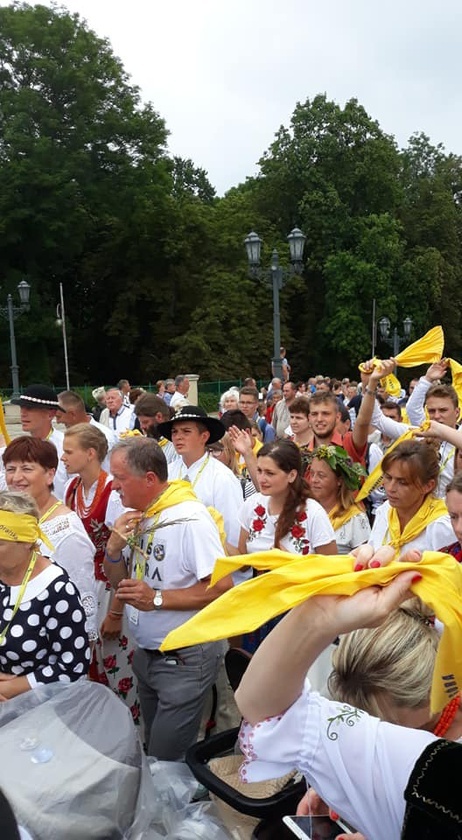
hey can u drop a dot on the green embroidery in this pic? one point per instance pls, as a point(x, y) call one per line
point(348, 715)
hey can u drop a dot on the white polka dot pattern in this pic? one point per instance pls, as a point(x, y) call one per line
point(47, 637)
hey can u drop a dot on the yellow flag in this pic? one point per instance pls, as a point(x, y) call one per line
point(3, 428)
point(294, 579)
point(424, 351)
point(456, 372)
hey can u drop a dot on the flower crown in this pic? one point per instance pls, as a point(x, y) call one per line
point(341, 463)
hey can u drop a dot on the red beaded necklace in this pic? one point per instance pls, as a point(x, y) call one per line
point(447, 717)
point(83, 510)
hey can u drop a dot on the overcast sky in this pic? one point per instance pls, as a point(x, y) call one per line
point(225, 74)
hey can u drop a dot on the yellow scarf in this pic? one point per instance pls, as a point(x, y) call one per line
point(295, 579)
point(339, 519)
point(181, 491)
point(429, 510)
point(3, 428)
point(424, 351)
point(176, 493)
point(21, 527)
point(456, 373)
point(374, 480)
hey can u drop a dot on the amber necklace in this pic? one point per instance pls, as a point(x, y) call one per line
point(83, 510)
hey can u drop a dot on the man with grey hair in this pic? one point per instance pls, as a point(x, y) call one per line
point(159, 559)
point(180, 397)
point(116, 415)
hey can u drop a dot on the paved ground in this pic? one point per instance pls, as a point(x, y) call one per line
point(13, 423)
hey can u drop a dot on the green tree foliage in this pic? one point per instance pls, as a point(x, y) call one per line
point(153, 263)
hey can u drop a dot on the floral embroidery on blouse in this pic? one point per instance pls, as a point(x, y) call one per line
point(258, 524)
point(348, 715)
point(297, 533)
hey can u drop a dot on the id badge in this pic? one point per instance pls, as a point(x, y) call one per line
point(133, 615)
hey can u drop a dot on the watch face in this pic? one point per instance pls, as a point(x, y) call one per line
point(158, 599)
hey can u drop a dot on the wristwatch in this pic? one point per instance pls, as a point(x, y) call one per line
point(370, 391)
point(158, 599)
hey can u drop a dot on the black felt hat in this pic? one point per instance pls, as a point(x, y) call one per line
point(197, 414)
point(38, 396)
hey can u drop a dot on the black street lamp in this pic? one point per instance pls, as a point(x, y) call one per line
point(10, 312)
point(276, 276)
point(395, 341)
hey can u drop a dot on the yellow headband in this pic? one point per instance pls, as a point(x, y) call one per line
point(21, 527)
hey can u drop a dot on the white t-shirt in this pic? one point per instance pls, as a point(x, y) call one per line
point(216, 486)
point(179, 555)
point(353, 533)
point(357, 764)
point(437, 535)
point(261, 526)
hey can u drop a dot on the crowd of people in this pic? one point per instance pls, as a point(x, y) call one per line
point(112, 518)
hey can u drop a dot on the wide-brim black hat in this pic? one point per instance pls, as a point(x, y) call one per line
point(38, 396)
point(197, 414)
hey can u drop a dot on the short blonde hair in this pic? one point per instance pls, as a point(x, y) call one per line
point(392, 663)
point(89, 437)
point(20, 503)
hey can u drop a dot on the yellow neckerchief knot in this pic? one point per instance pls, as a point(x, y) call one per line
point(129, 433)
point(337, 519)
point(294, 579)
point(424, 351)
point(181, 491)
point(430, 509)
point(374, 479)
point(21, 527)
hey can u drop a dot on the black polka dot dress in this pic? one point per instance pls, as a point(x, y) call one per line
point(46, 640)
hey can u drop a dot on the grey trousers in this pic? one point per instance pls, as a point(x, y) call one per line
point(172, 689)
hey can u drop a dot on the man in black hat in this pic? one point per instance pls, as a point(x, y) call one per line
point(38, 405)
point(192, 431)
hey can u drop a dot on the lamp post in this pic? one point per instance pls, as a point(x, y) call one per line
point(61, 322)
point(10, 312)
point(394, 340)
point(276, 276)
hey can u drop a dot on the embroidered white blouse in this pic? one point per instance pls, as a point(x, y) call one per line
point(359, 765)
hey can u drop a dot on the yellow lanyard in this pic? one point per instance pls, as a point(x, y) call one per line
point(22, 590)
point(448, 456)
point(200, 471)
point(48, 512)
point(143, 556)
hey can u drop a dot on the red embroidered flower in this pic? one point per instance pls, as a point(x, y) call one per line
point(130, 657)
point(135, 710)
point(258, 525)
point(109, 662)
point(260, 510)
point(123, 642)
point(125, 685)
point(301, 516)
point(306, 550)
point(297, 532)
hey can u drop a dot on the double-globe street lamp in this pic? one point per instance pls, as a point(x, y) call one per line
point(395, 340)
point(10, 312)
point(276, 276)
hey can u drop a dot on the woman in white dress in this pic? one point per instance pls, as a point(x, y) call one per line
point(282, 515)
point(30, 467)
point(333, 478)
